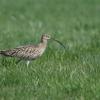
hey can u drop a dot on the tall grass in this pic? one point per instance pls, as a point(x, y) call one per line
point(73, 74)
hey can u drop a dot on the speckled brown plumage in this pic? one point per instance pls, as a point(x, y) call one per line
point(28, 52)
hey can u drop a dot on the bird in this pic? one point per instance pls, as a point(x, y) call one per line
point(29, 52)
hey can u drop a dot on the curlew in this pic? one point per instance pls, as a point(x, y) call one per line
point(29, 52)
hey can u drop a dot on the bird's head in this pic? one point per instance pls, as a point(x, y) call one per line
point(46, 37)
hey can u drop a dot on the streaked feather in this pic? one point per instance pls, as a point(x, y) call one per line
point(24, 52)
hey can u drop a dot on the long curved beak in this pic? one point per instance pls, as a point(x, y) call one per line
point(59, 43)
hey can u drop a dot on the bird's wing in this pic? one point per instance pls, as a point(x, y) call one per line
point(21, 52)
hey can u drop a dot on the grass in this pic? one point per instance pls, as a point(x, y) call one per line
point(73, 74)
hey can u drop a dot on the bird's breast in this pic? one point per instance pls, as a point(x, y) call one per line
point(41, 51)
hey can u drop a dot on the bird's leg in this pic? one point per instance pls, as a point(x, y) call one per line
point(28, 63)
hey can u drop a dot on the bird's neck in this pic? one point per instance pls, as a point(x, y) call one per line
point(44, 41)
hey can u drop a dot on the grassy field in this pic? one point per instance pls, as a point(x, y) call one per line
point(73, 74)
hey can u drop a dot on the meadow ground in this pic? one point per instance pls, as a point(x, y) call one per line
point(73, 74)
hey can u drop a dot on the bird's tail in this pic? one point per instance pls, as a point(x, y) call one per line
point(1, 53)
